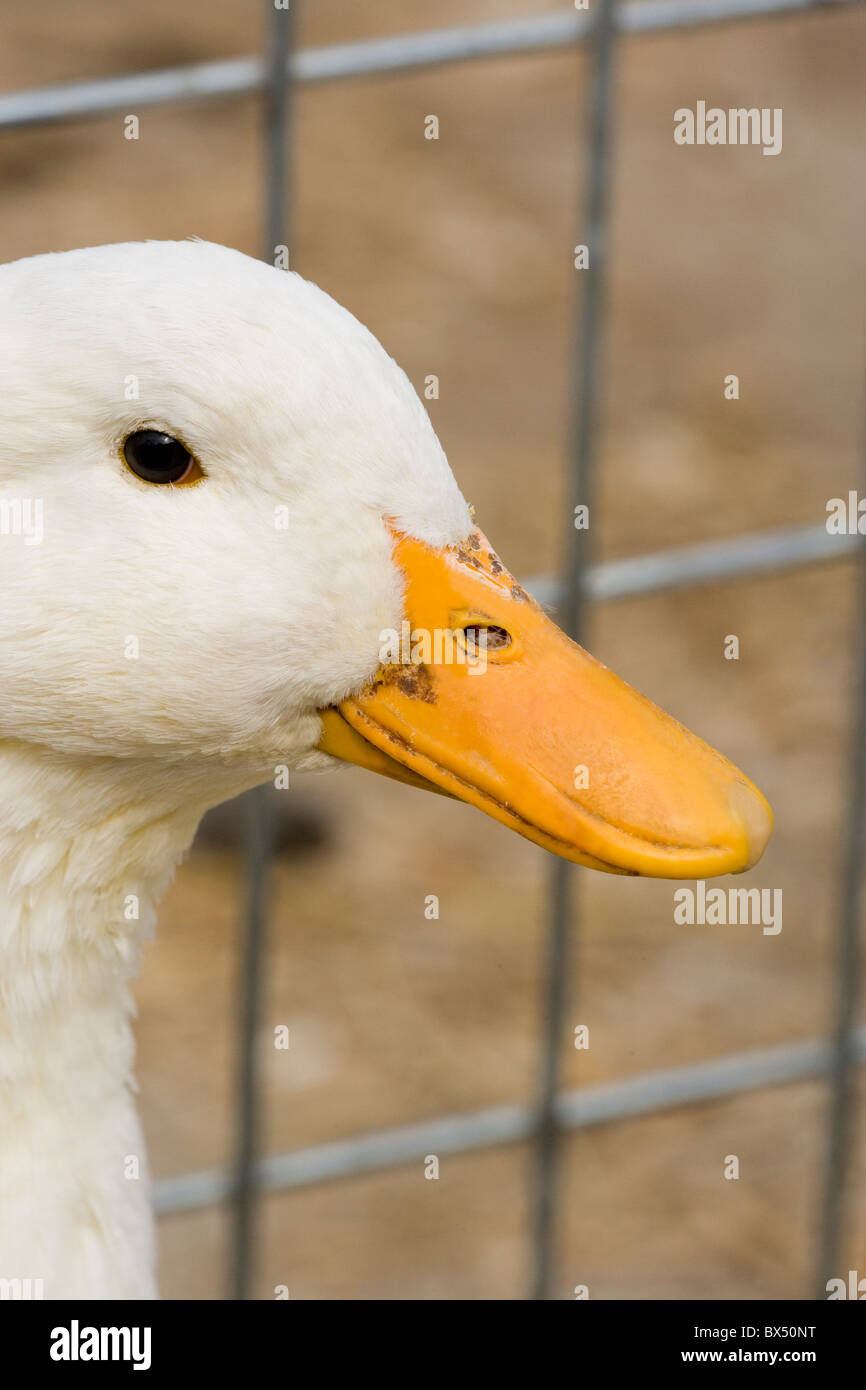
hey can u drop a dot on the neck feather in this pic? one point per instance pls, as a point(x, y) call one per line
point(86, 849)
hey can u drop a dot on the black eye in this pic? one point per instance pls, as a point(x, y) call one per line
point(157, 458)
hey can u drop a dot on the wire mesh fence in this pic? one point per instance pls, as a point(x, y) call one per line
point(553, 1111)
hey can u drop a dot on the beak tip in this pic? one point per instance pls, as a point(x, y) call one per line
point(752, 811)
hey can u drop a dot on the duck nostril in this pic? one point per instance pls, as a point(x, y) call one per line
point(485, 637)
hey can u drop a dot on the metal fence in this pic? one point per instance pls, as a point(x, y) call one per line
point(554, 1111)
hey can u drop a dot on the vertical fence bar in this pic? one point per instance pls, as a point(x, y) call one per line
point(583, 417)
point(843, 1076)
point(245, 1193)
point(257, 826)
point(277, 113)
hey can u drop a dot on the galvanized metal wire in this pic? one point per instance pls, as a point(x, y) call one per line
point(369, 57)
point(847, 973)
point(248, 1091)
point(584, 434)
point(610, 1102)
point(769, 552)
point(257, 827)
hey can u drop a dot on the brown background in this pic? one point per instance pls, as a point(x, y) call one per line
point(458, 255)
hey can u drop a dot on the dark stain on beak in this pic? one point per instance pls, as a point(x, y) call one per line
point(413, 679)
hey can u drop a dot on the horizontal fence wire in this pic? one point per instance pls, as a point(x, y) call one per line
point(707, 562)
point(605, 1103)
point(234, 77)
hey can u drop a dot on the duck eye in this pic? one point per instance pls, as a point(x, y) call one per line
point(158, 458)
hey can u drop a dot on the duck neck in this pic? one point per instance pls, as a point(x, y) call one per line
point(86, 849)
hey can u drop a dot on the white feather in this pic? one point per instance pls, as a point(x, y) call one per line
point(243, 629)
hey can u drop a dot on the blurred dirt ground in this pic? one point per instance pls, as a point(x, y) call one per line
point(457, 253)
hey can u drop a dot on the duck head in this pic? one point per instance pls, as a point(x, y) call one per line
point(238, 545)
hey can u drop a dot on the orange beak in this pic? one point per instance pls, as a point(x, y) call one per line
point(481, 696)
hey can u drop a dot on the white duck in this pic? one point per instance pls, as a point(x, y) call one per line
point(171, 641)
